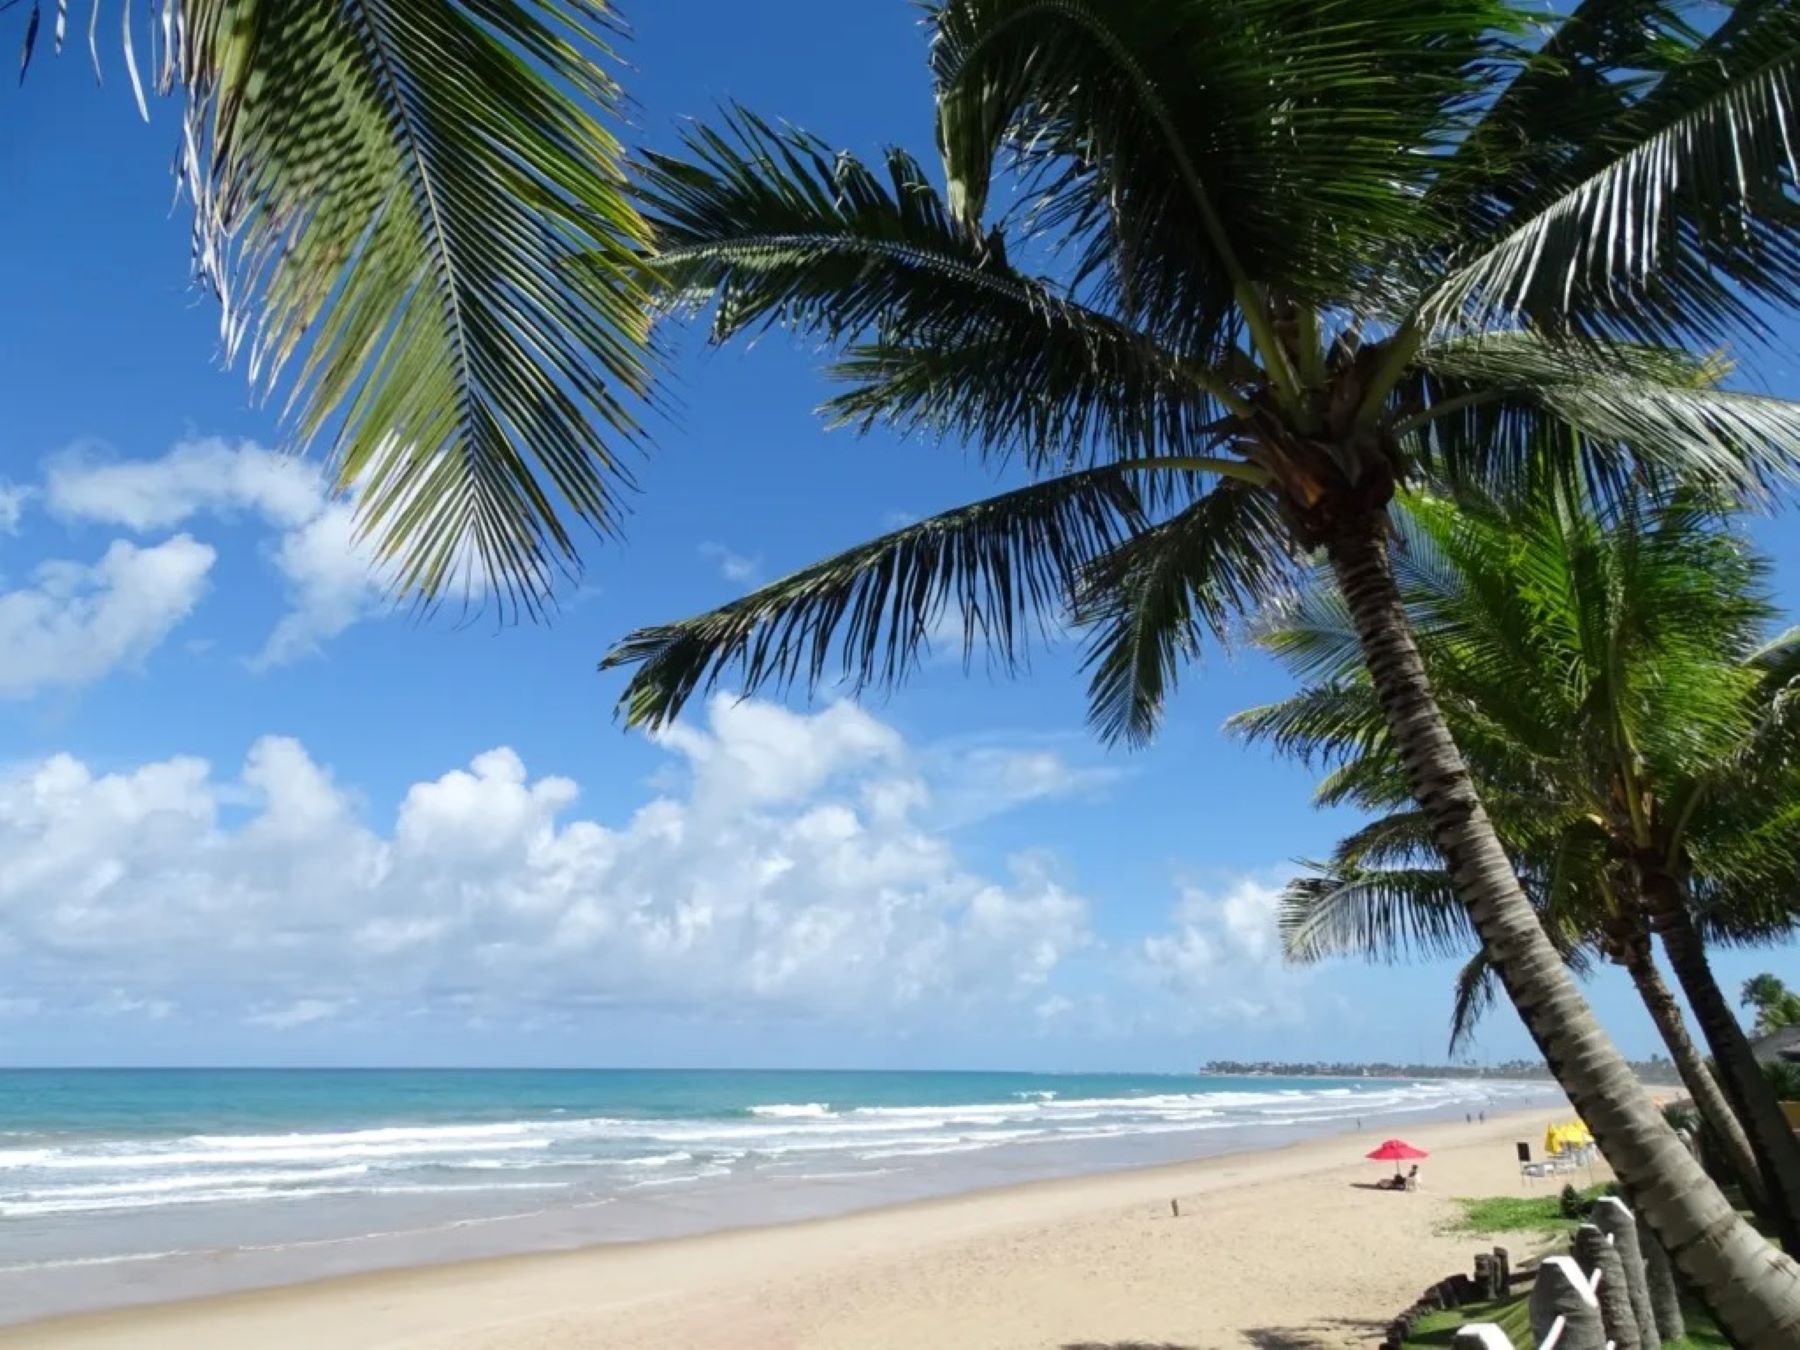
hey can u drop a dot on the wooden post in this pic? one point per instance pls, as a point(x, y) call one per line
point(1598, 1257)
point(1563, 1291)
point(1487, 1276)
point(1612, 1218)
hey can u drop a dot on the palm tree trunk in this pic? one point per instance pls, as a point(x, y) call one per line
point(1771, 1136)
point(1753, 1288)
point(1709, 1099)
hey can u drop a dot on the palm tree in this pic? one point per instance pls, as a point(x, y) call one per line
point(1605, 680)
point(1382, 913)
point(413, 209)
point(1774, 1004)
point(1251, 263)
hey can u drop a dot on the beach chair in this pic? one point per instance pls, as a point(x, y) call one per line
point(1529, 1170)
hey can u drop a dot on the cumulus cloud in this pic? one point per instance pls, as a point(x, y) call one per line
point(195, 476)
point(77, 622)
point(790, 870)
point(1221, 954)
point(333, 580)
point(297, 1014)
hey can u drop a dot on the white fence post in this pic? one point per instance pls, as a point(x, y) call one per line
point(1481, 1336)
point(1612, 1218)
point(1565, 1314)
point(1597, 1255)
point(1607, 1295)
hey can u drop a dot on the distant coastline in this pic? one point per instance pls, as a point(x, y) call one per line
point(1657, 1070)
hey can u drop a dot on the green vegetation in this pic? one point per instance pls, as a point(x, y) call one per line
point(1783, 1079)
point(1608, 673)
point(1544, 1215)
point(1775, 1005)
point(1438, 1329)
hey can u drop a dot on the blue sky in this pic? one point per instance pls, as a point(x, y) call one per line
point(252, 816)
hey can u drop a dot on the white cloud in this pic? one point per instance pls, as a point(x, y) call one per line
point(791, 871)
point(332, 583)
point(297, 1014)
point(78, 622)
point(1221, 956)
point(333, 580)
point(193, 478)
point(117, 1003)
point(13, 497)
point(733, 567)
point(989, 780)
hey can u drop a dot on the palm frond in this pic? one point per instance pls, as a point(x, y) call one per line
point(1596, 63)
point(1328, 723)
point(1629, 415)
point(1397, 839)
point(1369, 783)
point(1673, 223)
point(1379, 914)
point(417, 210)
point(1003, 566)
point(1477, 986)
point(1310, 631)
point(1186, 149)
point(1149, 601)
point(941, 333)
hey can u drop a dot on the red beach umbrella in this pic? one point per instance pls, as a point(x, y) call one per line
point(1396, 1150)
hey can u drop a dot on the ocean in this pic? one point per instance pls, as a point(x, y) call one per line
point(123, 1185)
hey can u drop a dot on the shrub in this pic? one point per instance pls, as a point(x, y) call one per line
point(1784, 1078)
point(1572, 1204)
point(1681, 1116)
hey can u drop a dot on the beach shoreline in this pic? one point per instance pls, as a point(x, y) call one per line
point(1290, 1237)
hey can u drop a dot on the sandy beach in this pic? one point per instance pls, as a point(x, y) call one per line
point(1282, 1249)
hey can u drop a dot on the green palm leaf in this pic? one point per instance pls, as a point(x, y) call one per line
point(1633, 413)
point(1322, 724)
point(1675, 218)
point(1003, 566)
point(1477, 986)
point(942, 335)
point(1566, 88)
point(1378, 914)
point(1256, 143)
point(415, 219)
point(1148, 603)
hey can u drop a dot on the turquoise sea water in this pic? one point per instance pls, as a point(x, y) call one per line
point(125, 1184)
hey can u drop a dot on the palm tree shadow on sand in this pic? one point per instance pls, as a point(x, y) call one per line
point(1259, 1338)
point(1319, 1335)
